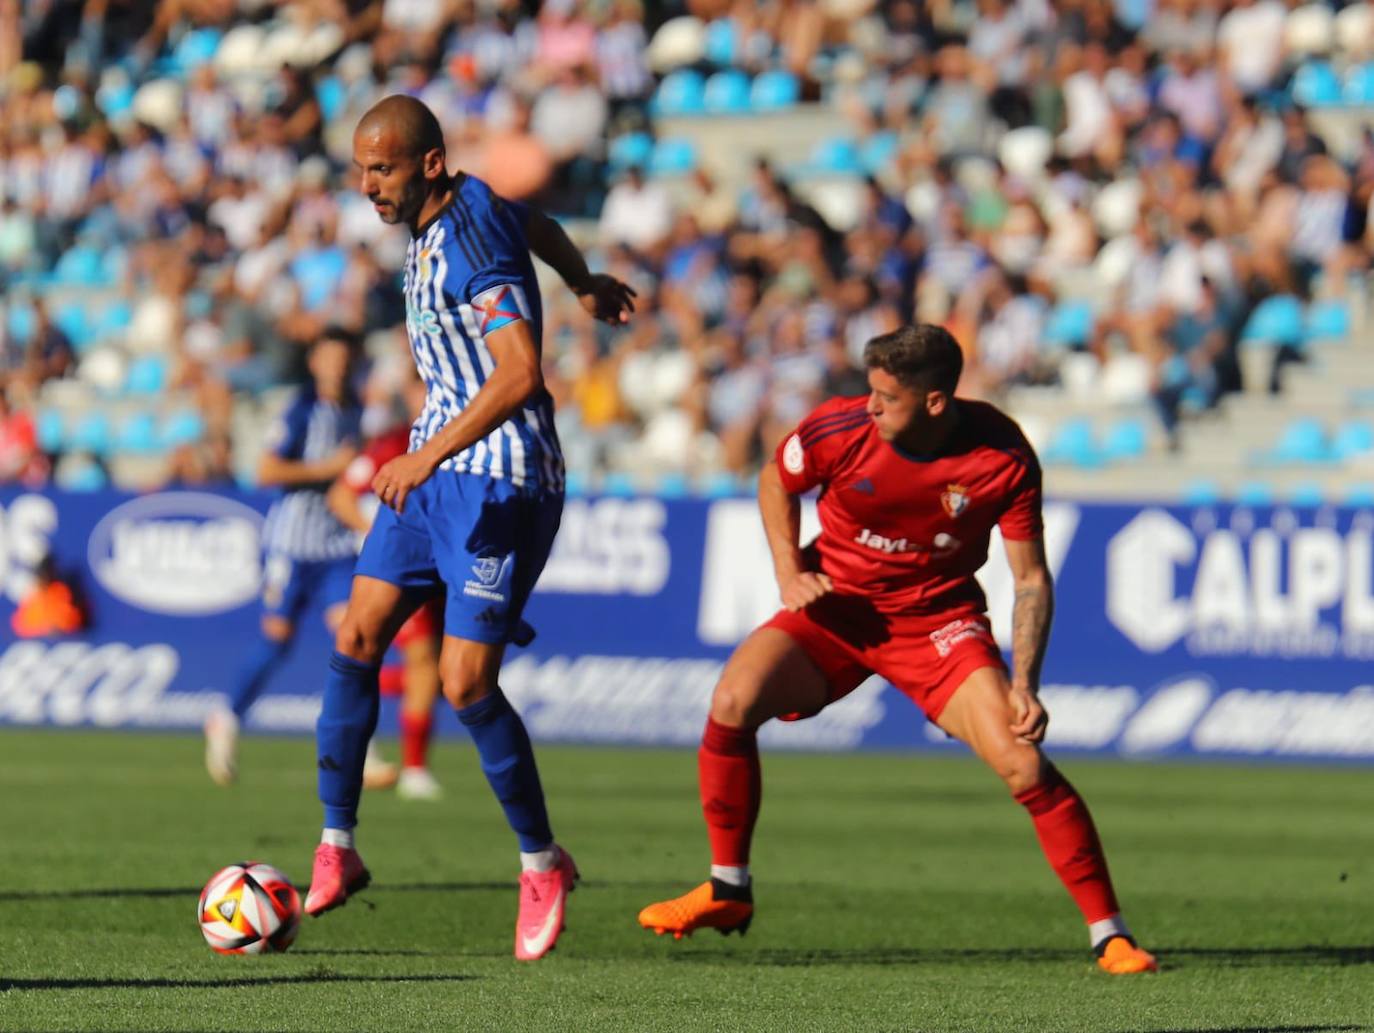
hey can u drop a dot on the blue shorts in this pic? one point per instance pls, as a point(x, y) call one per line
point(481, 539)
point(289, 585)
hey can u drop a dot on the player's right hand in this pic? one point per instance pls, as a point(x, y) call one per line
point(801, 590)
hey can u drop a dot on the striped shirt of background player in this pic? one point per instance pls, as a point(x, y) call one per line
point(454, 360)
point(299, 524)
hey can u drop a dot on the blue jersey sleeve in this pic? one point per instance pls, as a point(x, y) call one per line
point(286, 437)
point(502, 276)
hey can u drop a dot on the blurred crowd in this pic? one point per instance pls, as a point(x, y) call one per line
point(1093, 192)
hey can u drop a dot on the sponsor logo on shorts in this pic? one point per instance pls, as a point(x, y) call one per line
point(945, 639)
point(491, 583)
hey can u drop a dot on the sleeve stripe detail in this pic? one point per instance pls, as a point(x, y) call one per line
point(831, 432)
point(479, 251)
point(822, 428)
point(460, 239)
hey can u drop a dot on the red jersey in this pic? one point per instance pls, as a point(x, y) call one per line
point(375, 454)
point(909, 532)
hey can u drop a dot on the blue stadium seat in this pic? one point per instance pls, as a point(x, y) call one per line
point(1200, 492)
point(1255, 493)
point(672, 485)
point(774, 90)
point(720, 485)
point(1315, 85)
point(89, 477)
point(195, 48)
point(137, 435)
point(1355, 438)
point(630, 149)
point(722, 42)
point(680, 93)
point(20, 321)
point(115, 98)
point(75, 322)
point(836, 156)
point(181, 428)
point(1302, 442)
point(620, 484)
point(147, 375)
point(877, 151)
point(332, 95)
point(1276, 320)
point(80, 266)
point(1070, 324)
point(1073, 444)
point(1307, 494)
point(673, 156)
point(727, 93)
point(1125, 440)
point(1358, 91)
point(1361, 495)
point(113, 319)
point(91, 434)
point(51, 430)
point(1328, 322)
point(575, 483)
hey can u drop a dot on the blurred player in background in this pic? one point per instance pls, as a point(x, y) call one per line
point(912, 482)
point(472, 508)
point(308, 554)
point(351, 499)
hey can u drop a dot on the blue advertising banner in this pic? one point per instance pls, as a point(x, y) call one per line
point(1179, 631)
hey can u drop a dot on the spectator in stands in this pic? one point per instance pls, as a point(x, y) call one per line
point(20, 460)
point(637, 213)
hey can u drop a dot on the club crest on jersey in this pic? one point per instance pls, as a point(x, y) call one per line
point(425, 265)
point(954, 499)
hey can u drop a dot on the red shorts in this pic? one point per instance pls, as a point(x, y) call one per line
point(423, 624)
point(925, 657)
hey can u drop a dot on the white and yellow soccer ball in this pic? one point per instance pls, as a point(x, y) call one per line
point(249, 908)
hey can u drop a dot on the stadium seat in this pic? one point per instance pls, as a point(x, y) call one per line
point(1358, 90)
point(719, 485)
point(1302, 442)
point(575, 483)
point(836, 156)
point(672, 485)
point(681, 93)
point(1070, 324)
point(774, 90)
point(112, 320)
point(1073, 444)
point(727, 93)
point(1327, 322)
point(147, 375)
point(1255, 493)
point(1361, 495)
point(137, 435)
point(619, 484)
point(1276, 320)
point(81, 476)
point(677, 43)
point(1307, 494)
point(1125, 440)
point(20, 321)
point(80, 266)
point(115, 95)
point(196, 47)
point(1355, 438)
point(1200, 492)
point(1315, 85)
point(74, 321)
point(674, 156)
point(630, 149)
point(877, 152)
point(181, 428)
point(91, 434)
point(103, 369)
point(332, 95)
point(51, 430)
point(722, 42)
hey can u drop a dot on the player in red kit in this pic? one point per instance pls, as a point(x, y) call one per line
point(912, 483)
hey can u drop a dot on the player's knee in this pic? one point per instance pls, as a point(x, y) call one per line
point(356, 641)
point(463, 688)
point(1021, 767)
point(278, 629)
point(735, 703)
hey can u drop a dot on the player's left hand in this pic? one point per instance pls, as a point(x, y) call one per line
point(606, 298)
point(400, 477)
point(1029, 718)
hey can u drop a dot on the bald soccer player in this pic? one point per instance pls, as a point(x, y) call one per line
point(471, 510)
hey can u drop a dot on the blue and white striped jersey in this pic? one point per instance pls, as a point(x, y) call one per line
point(468, 273)
point(299, 524)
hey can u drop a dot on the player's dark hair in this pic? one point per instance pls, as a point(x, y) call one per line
point(344, 336)
point(924, 356)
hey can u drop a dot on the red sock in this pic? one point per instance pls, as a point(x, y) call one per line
point(1070, 842)
point(731, 788)
point(415, 730)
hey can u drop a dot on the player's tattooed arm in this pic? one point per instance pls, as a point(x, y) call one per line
point(1031, 615)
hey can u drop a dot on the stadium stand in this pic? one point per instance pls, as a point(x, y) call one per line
point(1149, 225)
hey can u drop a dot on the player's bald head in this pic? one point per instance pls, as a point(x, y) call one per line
point(407, 121)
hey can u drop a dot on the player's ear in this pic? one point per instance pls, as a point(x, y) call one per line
point(434, 166)
point(936, 402)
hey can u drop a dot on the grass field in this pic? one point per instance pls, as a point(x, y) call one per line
point(894, 894)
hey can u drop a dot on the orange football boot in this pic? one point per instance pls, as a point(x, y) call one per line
point(1121, 957)
point(712, 905)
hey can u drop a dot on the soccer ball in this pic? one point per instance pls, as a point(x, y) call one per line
point(249, 908)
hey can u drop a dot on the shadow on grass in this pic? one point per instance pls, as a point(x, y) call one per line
point(213, 984)
point(371, 952)
point(1263, 1029)
point(1170, 957)
point(100, 894)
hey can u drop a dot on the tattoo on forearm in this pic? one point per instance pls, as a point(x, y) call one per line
point(1030, 631)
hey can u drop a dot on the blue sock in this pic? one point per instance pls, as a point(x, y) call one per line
point(264, 658)
point(346, 724)
point(508, 762)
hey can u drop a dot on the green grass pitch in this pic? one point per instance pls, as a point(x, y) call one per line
point(894, 893)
